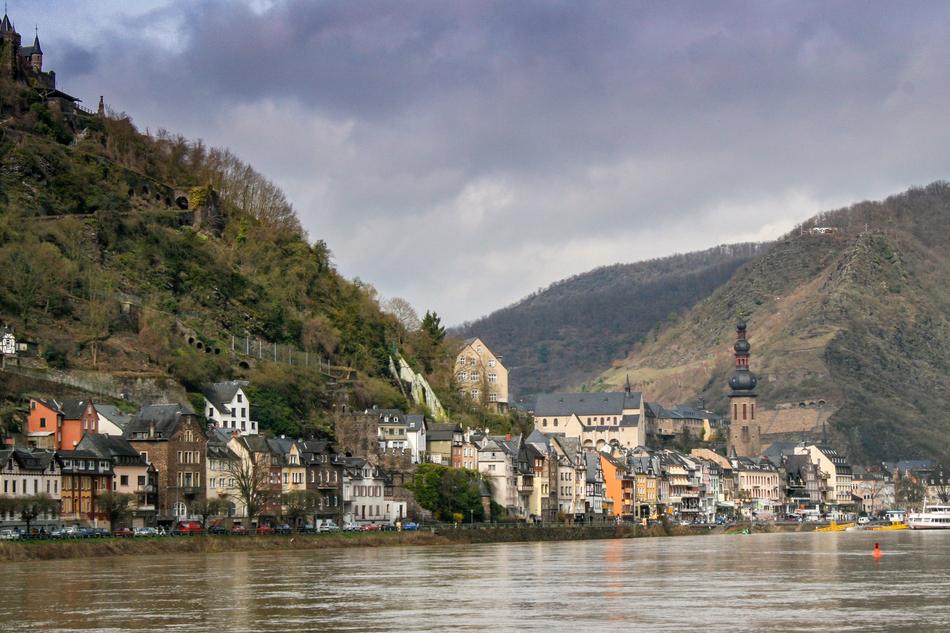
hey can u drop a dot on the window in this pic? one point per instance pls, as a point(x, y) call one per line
point(210, 412)
point(141, 480)
point(491, 362)
point(493, 397)
point(42, 423)
point(474, 394)
point(243, 412)
point(493, 378)
point(240, 398)
point(124, 480)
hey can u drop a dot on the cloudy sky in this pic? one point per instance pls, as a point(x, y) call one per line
point(463, 154)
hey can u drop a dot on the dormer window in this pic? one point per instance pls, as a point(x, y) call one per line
point(240, 398)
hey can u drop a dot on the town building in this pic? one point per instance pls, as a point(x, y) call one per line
point(60, 424)
point(85, 478)
point(27, 473)
point(227, 406)
point(24, 64)
point(618, 486)
point(416, 439)
point(131, 474)
point(481, 376)
point(364, 498)
point(325, 475)
point(497, 464)
point(598, 419)
point(170, 438)
point(834, 467)
point(222, 463)
point(445, 444)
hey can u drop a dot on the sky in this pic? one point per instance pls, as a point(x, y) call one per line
point(464, 154)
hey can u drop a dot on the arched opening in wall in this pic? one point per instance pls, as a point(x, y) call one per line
point(145, 191)
point(821, 403)
point(182, 202)
point(601, 444)
point(200, 345)
point(217, 351)
point(191, 340)
point(168, 201)
point(208, 349)
point(244, 364)
point(158, 196)
point(131, 192)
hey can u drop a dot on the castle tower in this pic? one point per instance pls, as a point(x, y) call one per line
point(9, 46)
point(36, 54)
point(744, 434)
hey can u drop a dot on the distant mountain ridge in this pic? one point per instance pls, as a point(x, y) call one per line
point(566, 334)
point(848, 321)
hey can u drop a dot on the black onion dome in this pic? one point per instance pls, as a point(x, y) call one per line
point(743, 380)
point(742, 346)
point(741, 325)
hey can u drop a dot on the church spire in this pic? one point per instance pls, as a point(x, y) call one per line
point(6, 26)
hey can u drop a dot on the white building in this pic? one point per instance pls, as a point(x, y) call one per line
point(364, 499)
point(416, 437)
point(227, 406)
point(496, 463)
point(111, 419)
point(7, 342)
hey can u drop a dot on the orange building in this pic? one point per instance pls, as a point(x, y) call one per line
point(60, 424)
point(618, 486)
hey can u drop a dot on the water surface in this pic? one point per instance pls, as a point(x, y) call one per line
point(768, 582)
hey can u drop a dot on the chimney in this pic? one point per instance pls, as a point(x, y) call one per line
point(151, 429)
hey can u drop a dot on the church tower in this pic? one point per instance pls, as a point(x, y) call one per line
point(744, 435)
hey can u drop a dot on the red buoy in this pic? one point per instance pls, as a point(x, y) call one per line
point(877, 550)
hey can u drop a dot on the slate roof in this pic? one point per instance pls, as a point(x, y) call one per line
point(37, 459)
point(604, 403)
point(221, 393)
point(592, 461)
point(109, 446)
point(114, 415)
point(415, 422)
point(778, 449)
point(165, 417)
point(73, 409)
point(440, 432)
point(6, 26)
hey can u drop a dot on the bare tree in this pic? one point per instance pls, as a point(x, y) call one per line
point(299, 504)
point(404, 313)
point(252, 482)
point(207, 508)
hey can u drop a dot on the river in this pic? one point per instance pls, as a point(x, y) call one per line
point(774, 582)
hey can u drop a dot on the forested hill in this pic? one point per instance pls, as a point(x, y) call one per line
point(120, 251)
point(566, 334)
point(849, 321)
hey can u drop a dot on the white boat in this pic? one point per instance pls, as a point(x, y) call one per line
point(930, 518)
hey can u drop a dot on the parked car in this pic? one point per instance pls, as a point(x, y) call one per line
point(85, 532)
point(283, 528)
point(329, 526)
point(145, 531)
point(239, 530)
point(264, 529)
point(9, 535)
point(308, 529)
point(370, 527)
point(187, 528)
point(863, 520)
point(410, 526)
point(351, 527)
point(219, 530)
point(101, 532)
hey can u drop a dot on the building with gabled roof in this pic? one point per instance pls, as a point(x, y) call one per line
point(131, 474)
point(481, 376)
point(227, 406)
point(597, 418)
point(60, 424)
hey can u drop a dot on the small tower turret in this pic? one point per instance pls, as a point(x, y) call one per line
point(36, 54)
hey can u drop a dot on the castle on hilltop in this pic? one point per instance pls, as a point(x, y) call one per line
point(24, 64)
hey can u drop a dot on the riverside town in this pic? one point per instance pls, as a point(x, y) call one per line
point(83, 469)
point(580, 316)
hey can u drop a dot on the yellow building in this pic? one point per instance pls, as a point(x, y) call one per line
point(481, 376)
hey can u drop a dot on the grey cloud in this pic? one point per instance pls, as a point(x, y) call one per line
point(558, 136)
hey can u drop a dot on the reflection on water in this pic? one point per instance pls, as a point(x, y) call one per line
point(778, 582)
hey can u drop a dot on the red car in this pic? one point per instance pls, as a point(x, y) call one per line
point(123, 533)
point(187, 528)
point(371, 527)
point(239, 530)
point(265, 529)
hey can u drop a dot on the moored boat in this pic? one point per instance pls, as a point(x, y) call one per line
point(932, 517)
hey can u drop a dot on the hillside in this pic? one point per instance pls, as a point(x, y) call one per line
point(565, 334)
point(849, 326)
point(147, 262)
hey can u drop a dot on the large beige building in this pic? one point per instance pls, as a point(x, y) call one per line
point(481, 376)
point(597, 419)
